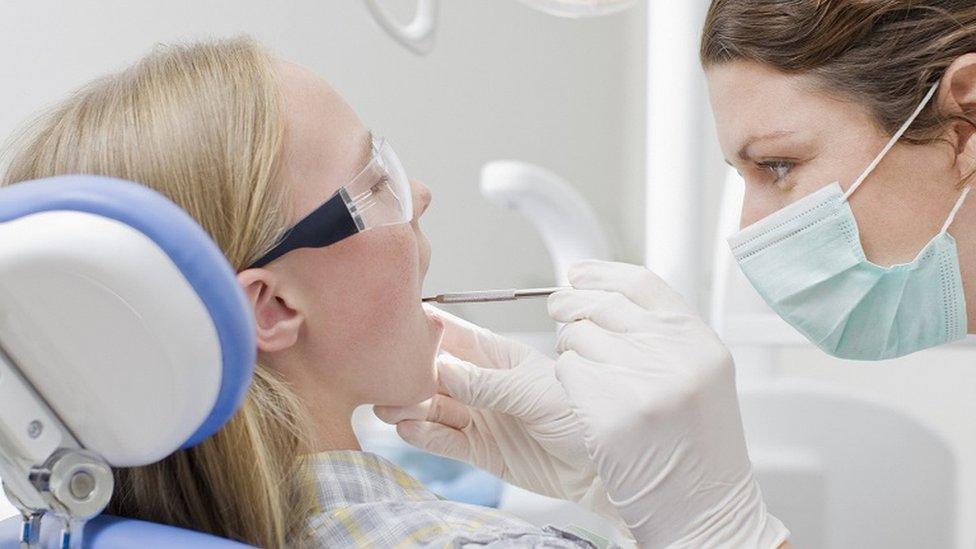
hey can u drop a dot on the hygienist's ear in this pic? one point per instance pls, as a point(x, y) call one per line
point(278, 323)
point(958, 96)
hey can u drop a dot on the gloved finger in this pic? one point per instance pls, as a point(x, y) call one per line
point(638, 283)
point(590, 341)
point(435, 438)
point(437, 409)
point(478, 345)
point(486, 388)
point(596, 402)
point(594, 343)
point(609, 310)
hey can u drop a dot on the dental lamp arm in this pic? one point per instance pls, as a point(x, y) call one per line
point(569, 227)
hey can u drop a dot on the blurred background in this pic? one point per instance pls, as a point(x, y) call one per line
point(849, 454)
point(504, 81)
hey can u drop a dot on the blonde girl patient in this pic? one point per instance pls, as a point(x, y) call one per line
point(249, 145)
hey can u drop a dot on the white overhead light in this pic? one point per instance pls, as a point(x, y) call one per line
point(579, 8)
point(417, 35)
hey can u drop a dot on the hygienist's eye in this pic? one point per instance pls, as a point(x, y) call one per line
point(779, 169)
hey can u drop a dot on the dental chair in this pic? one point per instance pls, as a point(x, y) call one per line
point(124, 336)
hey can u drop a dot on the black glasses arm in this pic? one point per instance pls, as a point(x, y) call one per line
point(328, 224)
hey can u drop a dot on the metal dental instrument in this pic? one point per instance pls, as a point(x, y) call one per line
point(487, 296)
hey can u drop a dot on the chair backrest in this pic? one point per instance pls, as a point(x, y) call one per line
point(125, 321)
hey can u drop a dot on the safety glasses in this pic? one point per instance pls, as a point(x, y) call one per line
point(379, 195)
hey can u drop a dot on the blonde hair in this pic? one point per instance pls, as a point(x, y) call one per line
point(201, 124)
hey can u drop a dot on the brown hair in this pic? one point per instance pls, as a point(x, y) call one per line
point(201, 124)
point(884, 54)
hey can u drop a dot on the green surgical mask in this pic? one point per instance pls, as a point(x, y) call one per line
point(807, 263)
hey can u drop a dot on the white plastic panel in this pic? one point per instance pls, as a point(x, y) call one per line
point(26, 428)
point(105, 326)
point(842, 468)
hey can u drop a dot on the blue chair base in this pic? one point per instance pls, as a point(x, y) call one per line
point(107, 532)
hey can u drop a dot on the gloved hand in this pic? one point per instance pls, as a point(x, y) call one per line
point(655, 391)
point(501, 409)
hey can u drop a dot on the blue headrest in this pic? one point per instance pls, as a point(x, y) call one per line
point(190, 248)
point(106, 532)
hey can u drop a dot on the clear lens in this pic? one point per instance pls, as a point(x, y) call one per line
point(380, 194)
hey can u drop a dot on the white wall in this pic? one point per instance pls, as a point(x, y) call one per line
point(503, 82)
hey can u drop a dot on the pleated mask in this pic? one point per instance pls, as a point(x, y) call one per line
point(807, 263)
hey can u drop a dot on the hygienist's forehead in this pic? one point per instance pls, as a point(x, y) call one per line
point(750, 101)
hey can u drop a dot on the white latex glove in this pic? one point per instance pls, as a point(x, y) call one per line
point(502, 410)
point(655, 390)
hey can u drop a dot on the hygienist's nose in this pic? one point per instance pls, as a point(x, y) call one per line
point(421, 198)
point(754, 207)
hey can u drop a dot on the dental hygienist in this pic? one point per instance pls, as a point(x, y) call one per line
point(852, 124)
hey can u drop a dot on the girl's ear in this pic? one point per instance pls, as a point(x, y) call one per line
point(278, 321)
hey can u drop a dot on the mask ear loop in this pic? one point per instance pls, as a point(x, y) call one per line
point(891, 143)
point(955, 209)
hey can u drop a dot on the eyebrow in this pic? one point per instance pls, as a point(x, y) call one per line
point(744, 149)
